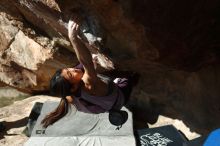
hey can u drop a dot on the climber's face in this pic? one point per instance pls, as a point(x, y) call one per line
point(73, 75)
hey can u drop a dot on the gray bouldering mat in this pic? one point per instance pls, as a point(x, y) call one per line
point(78, 128)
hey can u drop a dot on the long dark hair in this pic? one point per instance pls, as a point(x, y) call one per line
point(60, 87)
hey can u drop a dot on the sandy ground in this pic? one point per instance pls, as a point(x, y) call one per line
point(15, 119)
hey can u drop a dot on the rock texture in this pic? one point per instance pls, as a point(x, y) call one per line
point(28, 59)
point(185, 33)
point(182, 95)
point(174, 45)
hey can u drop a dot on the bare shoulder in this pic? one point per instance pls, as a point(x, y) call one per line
point(89, 80)
point(96, 87)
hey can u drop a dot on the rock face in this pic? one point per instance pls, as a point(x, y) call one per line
point(173, 45)
point(28, 60)
point(182, 95)
point(185, 33)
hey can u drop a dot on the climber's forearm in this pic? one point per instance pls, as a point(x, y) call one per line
point(83, 54)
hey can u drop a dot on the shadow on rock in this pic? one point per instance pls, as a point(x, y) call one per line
point(144, 113)
point(10, 125)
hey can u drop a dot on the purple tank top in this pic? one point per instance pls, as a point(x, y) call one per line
point(100, 103)
point(115, 99)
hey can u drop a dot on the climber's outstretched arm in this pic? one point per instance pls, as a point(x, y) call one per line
point(83, 54)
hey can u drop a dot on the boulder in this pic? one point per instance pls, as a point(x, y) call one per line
point(28, 62)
